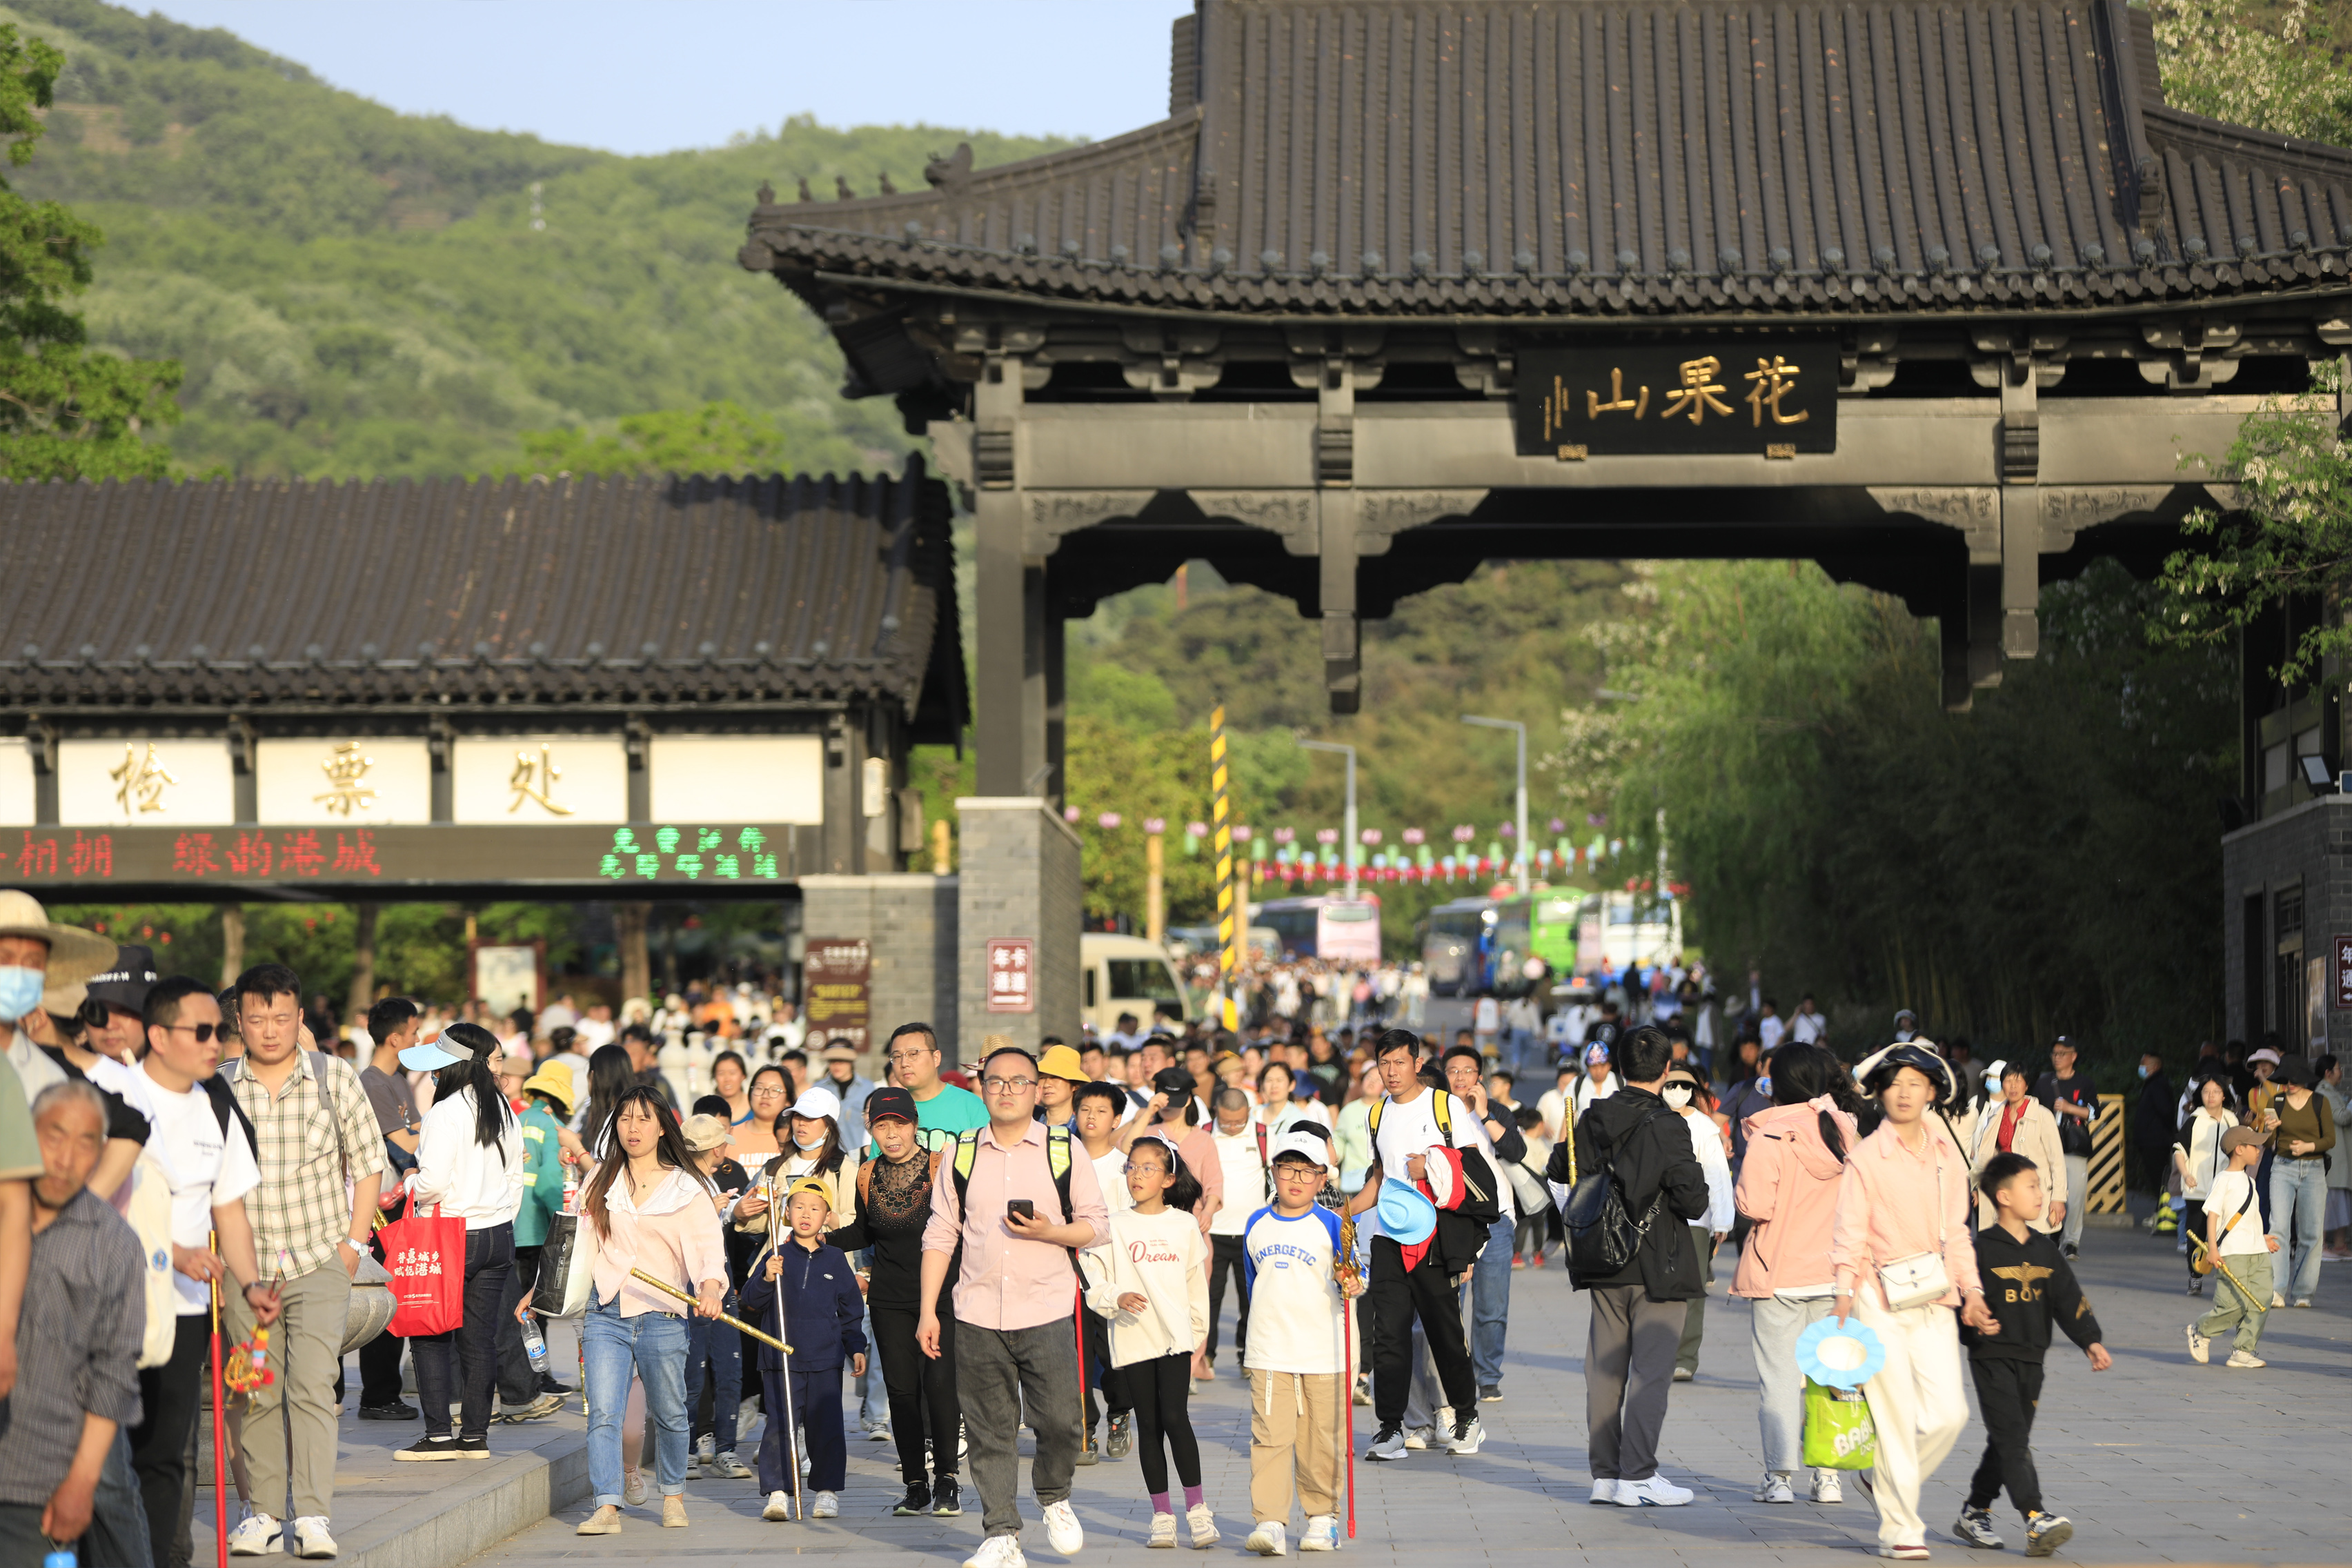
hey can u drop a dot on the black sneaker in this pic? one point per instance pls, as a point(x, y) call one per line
point(401, 1411)
point(1089, 1455)
point(1122, 1435)
point(1492, 1394)
point(549, 1385)
point(473, 1448)
point(429, 1449)
point(916, 1501)
point(2071, 1252)
point(947, 1497)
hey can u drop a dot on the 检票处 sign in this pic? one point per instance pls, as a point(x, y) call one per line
point(1767, 398)
point(1012, 975)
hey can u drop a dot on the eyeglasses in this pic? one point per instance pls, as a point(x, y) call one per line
point(766, 1090)
point(202, 1031)
point(909, 1058)
point(1008, 1085)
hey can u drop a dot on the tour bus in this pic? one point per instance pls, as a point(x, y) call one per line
point(1452, 946)
point(1330, 925)
point(1627, 928)
point(1126, 975)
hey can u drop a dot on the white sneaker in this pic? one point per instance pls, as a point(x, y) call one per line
point(2244, 1361)
point(706, 1449)
point(634, 1489)
point(1418, 1437)
point(880, 1433)
point(1163, 1532)
point(2277, 1299)
point(1775, 1488)
point(998, 1552)
point(1655, 1492)
point(1604, 1491)
point(310, 1537)
point(1975, 1527)
point(1827, 1488)
point(729, 1466)
point(2201, 1349)
point(257, 1537)
point(779, 1509)
point(828, 1506)
point(1266, 1540)
point(1388, 1443)
point(1322, 1533)
point(1064, 1533)
point(1202, 1523)
point(1466, 1438)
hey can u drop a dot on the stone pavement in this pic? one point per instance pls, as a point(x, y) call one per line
point(2157, 1460)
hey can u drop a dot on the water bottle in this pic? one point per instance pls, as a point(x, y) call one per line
point(570, 1189)
point(534, 1345)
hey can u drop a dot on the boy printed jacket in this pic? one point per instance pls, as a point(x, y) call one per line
point(824, 1308)
point(2029, 1287)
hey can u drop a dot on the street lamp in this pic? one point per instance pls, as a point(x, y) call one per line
point(1520, 845)
point(1348, 836)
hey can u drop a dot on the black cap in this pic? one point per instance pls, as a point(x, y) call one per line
point(127, 980)
point(889, 1101)
point(1173, 1081)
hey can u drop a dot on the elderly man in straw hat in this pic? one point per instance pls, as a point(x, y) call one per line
point(36, 952)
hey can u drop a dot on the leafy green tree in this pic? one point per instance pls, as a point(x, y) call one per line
point(66, 410)
point(720, 437)
point(2228, 60)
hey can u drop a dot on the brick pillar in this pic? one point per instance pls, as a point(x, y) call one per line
point(1018, 876)
point(909, 920)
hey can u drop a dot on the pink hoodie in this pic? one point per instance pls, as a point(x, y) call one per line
point(1788, 1186)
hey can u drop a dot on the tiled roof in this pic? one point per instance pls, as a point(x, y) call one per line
point(591, 592)
point(1579, 158)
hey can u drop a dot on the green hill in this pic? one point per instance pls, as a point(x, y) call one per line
point(358, 292)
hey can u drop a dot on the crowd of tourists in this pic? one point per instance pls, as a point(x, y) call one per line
point(1044, 1239)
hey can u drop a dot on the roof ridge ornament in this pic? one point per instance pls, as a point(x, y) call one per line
point(953, 173)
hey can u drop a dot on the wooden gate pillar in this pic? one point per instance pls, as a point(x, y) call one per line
point(1009, 688)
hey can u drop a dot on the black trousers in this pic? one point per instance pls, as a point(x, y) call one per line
point(1225, 1258)
point(922, 1392)
point(380, 1358)
point(518, 1380)
point(1102, 1378)
point(169, 1396)
point(464, 1361)
point(2192, 1223)
point(1396, 1298)
point(1162, 1391)
point(2007, 1393)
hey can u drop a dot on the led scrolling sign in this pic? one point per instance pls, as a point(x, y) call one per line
point(1767, 398)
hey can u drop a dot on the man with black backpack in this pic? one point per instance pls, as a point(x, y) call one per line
point(1628, 1243)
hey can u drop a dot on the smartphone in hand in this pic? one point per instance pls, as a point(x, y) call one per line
point(1025, 1207)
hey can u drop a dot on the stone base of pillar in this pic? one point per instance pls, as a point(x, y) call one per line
point(908, 921)
point(1018, 876)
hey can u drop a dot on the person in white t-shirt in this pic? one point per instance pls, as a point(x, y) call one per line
point(1095, 1111)
point(207, 1157)
point(1490, 1281)
point(2233, 1227)
point(1406, 1128)
point(1291, 1247)
point(1241, 1145)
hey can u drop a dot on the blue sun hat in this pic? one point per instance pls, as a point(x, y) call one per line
point(1407, 1217)
point(1841, 1355)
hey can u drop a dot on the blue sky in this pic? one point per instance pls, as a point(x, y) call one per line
point(633, 75)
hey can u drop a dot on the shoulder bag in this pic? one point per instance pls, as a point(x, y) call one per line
point(1921, 1277)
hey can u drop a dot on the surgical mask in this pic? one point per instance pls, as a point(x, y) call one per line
point(20, 990)
point(2143, 1070)
point(1676, 1096)
point(808, 1147)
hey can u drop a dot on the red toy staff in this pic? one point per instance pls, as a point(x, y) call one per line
point(220, 1476)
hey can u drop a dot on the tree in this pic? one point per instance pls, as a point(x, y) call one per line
point(720, 437)
point(2222, 60)
point(66, 410)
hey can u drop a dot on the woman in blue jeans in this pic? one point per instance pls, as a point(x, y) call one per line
point(2303, 1135)
point(652, 1209)
point(469, 1165)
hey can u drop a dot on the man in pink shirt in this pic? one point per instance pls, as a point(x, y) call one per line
point(1016, 1296)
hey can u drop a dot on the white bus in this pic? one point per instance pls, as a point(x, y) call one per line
point(1330, 927)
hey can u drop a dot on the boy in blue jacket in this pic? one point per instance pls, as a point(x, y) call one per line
point(823, 1307)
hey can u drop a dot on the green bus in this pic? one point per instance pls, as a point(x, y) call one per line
point(1539, 925)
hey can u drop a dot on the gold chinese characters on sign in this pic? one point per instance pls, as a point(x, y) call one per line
point(346, 769)
point(1678, 400)
point(534, 778)
point(140, 782)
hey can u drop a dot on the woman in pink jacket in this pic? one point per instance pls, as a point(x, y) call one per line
point(1905, 1259)
point(1789, 1187)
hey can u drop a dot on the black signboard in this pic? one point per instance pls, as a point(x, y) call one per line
point(1770, 398)
point(89, 859)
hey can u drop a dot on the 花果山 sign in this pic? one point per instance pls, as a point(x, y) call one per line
point(1767, 398)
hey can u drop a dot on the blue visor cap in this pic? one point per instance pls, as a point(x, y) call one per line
point(428, 1056)
point(1407, 1217)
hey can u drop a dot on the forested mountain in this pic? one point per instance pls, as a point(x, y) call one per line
point(358, 292)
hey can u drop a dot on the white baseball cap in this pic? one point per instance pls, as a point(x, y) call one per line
point(1299, 1139)
point(817, 1103)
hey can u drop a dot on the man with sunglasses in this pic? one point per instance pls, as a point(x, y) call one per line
point(941, 1110)
point(997, 1202)
point(209, 1158)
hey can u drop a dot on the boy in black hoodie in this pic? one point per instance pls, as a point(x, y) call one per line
point(823, 1307)
point(2028, 1286)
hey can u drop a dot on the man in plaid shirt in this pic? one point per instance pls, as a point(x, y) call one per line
point(321, 1162)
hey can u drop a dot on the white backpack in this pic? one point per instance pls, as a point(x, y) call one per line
point(150, 1214)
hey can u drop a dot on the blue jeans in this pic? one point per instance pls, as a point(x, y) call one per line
point(1490, 1303)
point(653, 1346)
point(718, 1342)
point(2298, 1199)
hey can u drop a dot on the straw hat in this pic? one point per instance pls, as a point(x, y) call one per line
point(75, 955)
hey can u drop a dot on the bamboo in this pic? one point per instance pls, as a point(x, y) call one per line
point(736, 1323)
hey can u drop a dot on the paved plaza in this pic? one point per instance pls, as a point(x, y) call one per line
point(2159, 1460)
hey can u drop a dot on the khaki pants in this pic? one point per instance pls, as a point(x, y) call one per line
point(305, 1351)
point(1294, 1431)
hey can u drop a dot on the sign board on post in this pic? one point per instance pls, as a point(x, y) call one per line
point(836, 976)
point(2343, 986)
point(1012, 975)
point(1766, 398)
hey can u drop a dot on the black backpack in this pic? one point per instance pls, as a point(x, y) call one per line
point(1603, 1237)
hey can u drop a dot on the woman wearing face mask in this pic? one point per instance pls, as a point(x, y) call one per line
point(810, 1135)
point(2200, 1157)
point(1688, 1097)
point(1787, 1192)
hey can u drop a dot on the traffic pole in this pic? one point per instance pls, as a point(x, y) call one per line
point(1230, 936)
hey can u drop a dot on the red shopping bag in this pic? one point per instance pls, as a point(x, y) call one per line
point(426, 1258)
